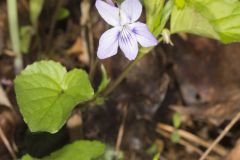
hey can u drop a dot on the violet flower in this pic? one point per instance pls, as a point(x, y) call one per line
point(126, 32)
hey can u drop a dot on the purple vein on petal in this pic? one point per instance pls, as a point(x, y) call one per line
point(128, 43)
point(108, 43)
point(143, 35)
point(133, 9)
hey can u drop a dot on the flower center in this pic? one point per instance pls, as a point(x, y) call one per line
point(125, 29)
point(125, 34)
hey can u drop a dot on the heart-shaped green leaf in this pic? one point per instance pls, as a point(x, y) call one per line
point(79, 150)
point(46, 94)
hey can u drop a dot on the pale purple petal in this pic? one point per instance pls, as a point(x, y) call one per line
point(124, 19)
point(109, 13)
point(110, 2)
point(108, 43)
point(133, 9)
point(128, 43)
point(143, 35)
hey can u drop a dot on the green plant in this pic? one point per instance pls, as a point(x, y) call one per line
point(47, 93)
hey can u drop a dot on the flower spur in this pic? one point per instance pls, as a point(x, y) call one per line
point(126, 32)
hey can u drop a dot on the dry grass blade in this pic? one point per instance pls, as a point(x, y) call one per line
point(221, 136)
point(4, 99)
point(193, 138)
point(7, 144)
point(182, 142)
point(121, 131)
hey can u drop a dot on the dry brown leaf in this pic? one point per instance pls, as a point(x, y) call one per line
point(79, 48)
point(215, 113)
point(206, 72)
point(74, 125)
point(4, 99)
point(8, 123)
point(85, 7)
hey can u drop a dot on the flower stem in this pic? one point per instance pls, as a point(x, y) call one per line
point(121, 77)
point(115, 84)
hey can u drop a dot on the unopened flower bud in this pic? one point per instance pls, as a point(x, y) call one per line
point(166, 37)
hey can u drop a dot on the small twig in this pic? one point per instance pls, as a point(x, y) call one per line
point(86, 25)
point(93, 60)
point(7, 144)
point(91, 50)
point(221, 136)
point(53, 23)
point(182, 142)
point(121, 131)
point(193, 138)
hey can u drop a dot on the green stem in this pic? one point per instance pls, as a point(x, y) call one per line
point(121, 77)
point(14, 33)
point(93, 69)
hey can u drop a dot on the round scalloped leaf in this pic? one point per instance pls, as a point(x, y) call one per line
point(79, 150)
point(217, 19)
